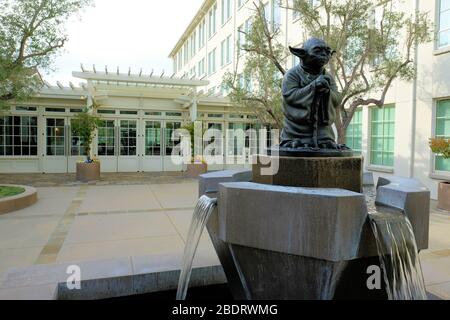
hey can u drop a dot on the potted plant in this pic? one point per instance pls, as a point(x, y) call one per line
point(197, 166)
point(84, 126)
point(441, 147)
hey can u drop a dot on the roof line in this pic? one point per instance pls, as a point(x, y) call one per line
point(195, 21)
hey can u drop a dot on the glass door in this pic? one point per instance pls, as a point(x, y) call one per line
point(56, 148)
point(215, 145)
point(153, 146)
point(107, 145)
point(169, 147)
point(128, 160)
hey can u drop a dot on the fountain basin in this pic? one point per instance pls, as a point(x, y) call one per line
point(278, 242)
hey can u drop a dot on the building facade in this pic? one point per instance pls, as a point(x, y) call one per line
point(140, 114)
point(393, 140)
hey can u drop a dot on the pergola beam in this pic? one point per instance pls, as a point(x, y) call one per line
point(155, 80)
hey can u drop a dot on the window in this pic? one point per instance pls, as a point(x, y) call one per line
point(55, 110)
point(212, 62)
point(382, 136)
point(180, 60)
point(442, 131)
point(353, 137)
point(201, 34)
point(276, 13)
point(154, 114)
point(226, 11)
point(186, 52)
point(153, 138)
point(56, 134)
point(241, 3)
point(267, 11)
point(444, 23)
point(106, 111)
point(226, 51)
point(193, 44)
point(128, 137)
point(174, 114)
point(170, 143)
point(129, 113)
point(201, 67)
point(212, 21)
point(106, 138)
point(78, 146)
point(18, 136)
point(26, 108)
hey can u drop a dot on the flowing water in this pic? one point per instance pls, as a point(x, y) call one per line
point(205, 206)
point(399, 256)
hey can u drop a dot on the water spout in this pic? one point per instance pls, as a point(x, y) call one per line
point(205, 207)
point(399, 256)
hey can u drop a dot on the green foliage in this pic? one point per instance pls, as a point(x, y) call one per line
point(441, 147)
point(31, 35)
point(84, 125)
point(374, 46)
point(10, 191)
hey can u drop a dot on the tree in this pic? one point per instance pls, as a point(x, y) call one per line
point(84, 125)
point(31, 35)
point(374, 46)
point(264, 56)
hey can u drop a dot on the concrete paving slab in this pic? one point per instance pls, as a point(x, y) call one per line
point(173, 245)
point(57, 192)
point(176, 195)
point(45, 207)
point(40, 293)
point(100, 228)
point(12, 258)
point(26, 233)
point(119, 198)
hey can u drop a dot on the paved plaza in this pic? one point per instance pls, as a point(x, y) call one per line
point(117, 218)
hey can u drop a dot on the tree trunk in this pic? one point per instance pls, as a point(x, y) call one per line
point(341, 134)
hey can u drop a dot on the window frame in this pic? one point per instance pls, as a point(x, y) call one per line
point(438, 46)
point(21, 145)
point(383, 166)
point(433, 158)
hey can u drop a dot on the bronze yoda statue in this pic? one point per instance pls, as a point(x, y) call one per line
point(310, 99)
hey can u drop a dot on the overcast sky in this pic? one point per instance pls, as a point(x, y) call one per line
point(124, 33)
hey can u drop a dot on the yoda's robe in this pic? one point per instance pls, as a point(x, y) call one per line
point(303, 107)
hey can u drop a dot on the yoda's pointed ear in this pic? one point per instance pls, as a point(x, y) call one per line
point(299, 52)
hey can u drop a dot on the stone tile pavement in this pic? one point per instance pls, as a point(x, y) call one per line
point(148, 218)
point(99, 222)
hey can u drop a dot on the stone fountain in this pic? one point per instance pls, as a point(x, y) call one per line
point(303, 231)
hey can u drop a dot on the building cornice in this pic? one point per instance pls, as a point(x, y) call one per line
point(201, 13)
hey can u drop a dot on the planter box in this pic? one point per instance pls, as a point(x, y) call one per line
point(88, 171)
point(196, 169)
point(444, 196)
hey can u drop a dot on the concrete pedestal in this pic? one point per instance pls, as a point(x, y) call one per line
point(343, 173)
